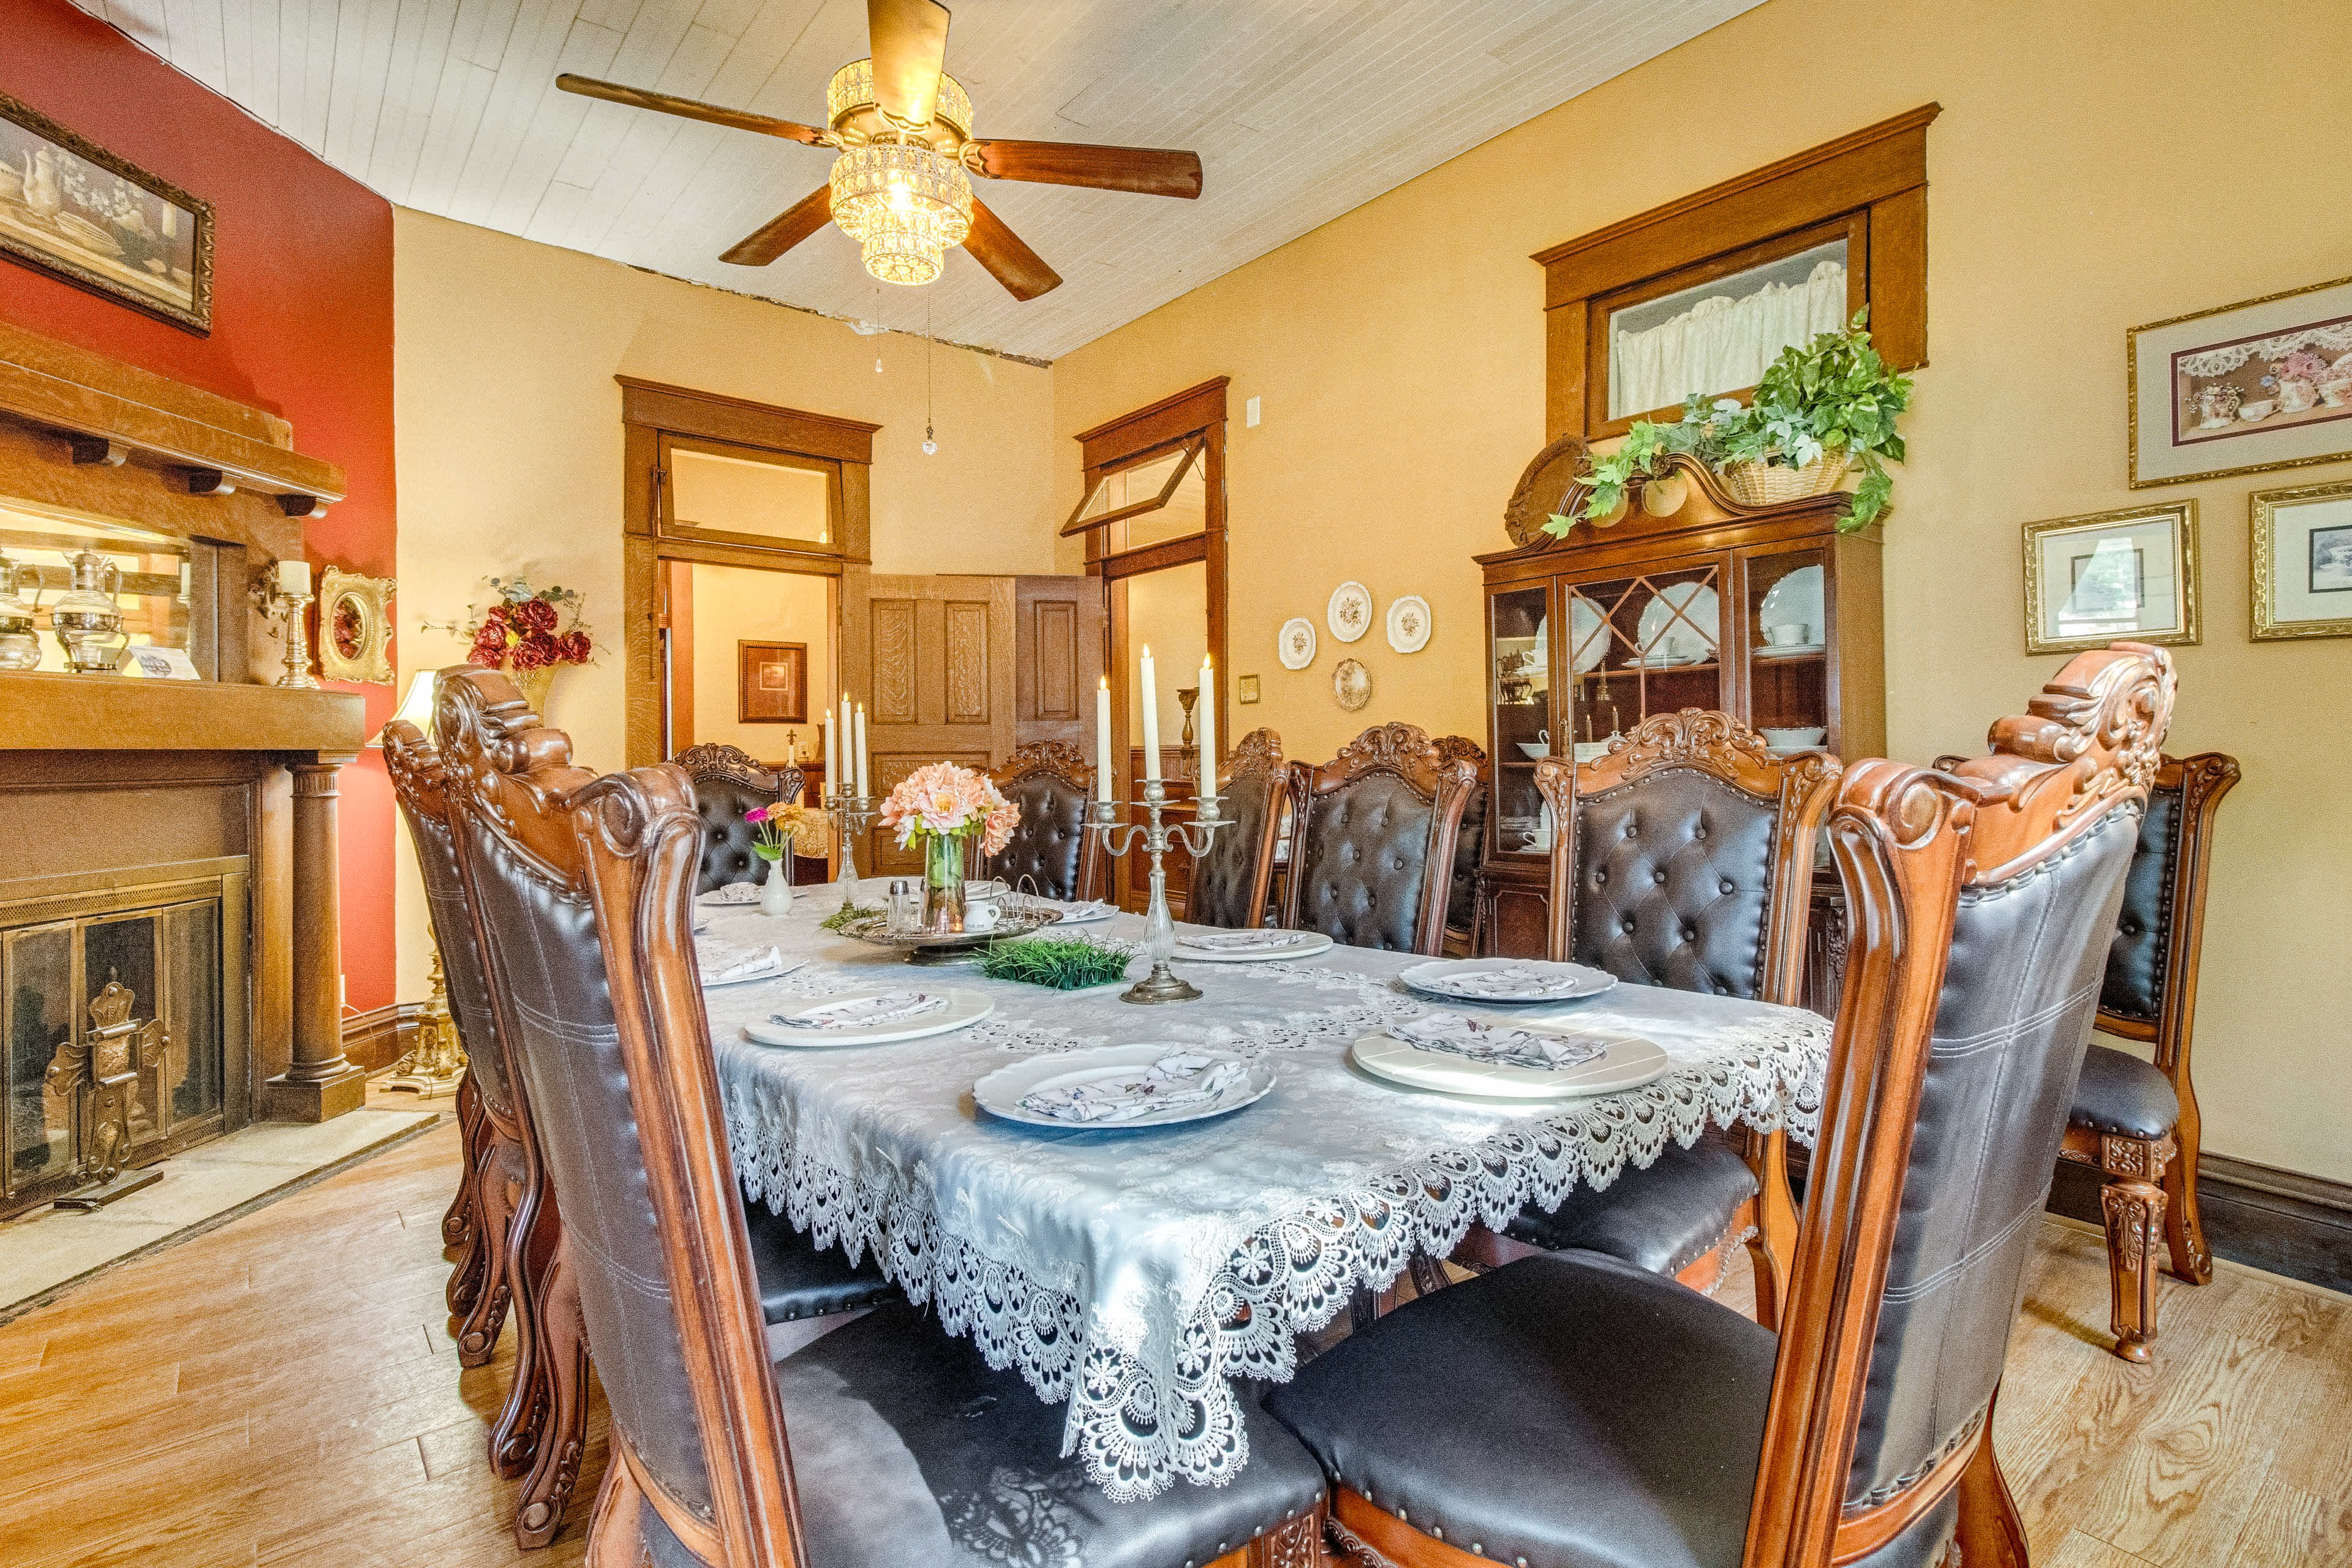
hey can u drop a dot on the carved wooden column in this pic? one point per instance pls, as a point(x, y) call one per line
point(320, 1083)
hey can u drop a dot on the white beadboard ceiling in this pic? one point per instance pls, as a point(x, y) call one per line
point(1300, 110)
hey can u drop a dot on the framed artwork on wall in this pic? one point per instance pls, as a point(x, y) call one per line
point(2132, 573)
point(69, 208)
point(2264, 383)
point(772, 683)
point(2303, 562)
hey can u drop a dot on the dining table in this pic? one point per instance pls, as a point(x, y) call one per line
point(1142, 1275)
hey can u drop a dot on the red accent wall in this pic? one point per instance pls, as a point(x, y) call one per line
point(301, 326)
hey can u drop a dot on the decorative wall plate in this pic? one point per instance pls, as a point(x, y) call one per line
point(1351, 683)
point(1349, 613)
point(1295, 643)
point(1409, 623)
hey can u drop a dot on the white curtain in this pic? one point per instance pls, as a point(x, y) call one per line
point(1721, 344)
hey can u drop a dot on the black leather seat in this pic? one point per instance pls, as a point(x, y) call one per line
point(908, 1450)
point(1230, 881)
point(800, 1280)
point(727, 784)
point(1612, 1419)
point(2121, 1095)
point(1662, 1218)
point(1045, 849)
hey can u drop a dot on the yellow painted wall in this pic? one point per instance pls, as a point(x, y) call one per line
point(2084, 179)
point(732, 605)
point(1167, 612)
point(510, 444)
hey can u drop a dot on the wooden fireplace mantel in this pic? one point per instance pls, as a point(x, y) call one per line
point(53, 712)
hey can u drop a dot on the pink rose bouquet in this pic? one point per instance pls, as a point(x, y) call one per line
point(944, 801)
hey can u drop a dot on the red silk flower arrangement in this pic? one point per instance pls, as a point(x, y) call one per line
point(526, 631)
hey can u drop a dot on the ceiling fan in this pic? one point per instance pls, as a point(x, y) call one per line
point(901, 188)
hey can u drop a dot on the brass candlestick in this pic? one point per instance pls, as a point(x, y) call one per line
point(280, 605)
point(434, 1064)
point(851, 815)
point(1158, 836)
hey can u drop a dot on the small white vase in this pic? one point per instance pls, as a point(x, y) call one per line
point(776, 892)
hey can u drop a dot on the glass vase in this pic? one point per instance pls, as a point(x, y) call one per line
point(942, 883)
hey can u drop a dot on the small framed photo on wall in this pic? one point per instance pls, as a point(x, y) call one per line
point(2303, 562)
point(2130, 574)
point(772, 683)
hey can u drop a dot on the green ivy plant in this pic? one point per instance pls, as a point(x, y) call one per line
point(1831, 394)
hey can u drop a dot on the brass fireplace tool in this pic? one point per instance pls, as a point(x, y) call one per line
point(99, 1073)
point(1158, 836)
point(437, 1061)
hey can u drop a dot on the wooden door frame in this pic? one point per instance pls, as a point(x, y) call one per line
point(1195, 411)
point(653, 410)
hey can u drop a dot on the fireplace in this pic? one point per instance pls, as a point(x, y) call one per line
point(121, 1044)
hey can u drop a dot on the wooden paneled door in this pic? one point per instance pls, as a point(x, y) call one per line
point(963, 670)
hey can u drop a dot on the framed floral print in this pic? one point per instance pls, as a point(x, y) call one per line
point(770, 683)
point(2303, 562)
point(68, 207)
point(2091, 580)
point(2264, 383)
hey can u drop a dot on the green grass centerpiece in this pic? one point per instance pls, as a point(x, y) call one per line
point(1064, 963)
point(848, 915)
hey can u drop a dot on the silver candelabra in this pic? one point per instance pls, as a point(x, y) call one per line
point(1158, 836)
point(850, 815)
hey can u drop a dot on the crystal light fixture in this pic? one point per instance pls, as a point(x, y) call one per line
point(904, 200)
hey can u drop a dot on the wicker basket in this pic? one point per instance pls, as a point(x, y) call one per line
point(1763, 484)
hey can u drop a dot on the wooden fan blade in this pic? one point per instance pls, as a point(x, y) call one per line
point(1022, 271)
point(1151, 171)
point(740, 119)
point(909, 40)
point(785, 230)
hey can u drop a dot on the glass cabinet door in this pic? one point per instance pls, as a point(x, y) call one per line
point(1785, 622)
point(1638, 644)
point(1520, 691)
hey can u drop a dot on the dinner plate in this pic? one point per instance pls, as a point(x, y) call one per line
point(1588, 636)
point(1787, 650)
point(1666, 637)
point(716, 899)
point(1627, 1061)
point(1440, 976)
point(1797, 598)
point(963, 1007)
point(1072, 915)
point(792, 966)
point(1002, 1091)
point(1308, 944)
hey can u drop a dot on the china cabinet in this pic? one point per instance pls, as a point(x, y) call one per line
point(1689, 599)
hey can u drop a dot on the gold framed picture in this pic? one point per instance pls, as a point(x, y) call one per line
point(70, 206)
point(770, 683)
point(2303, 561)
point(2264, 383)
point(2090, 580)
point(355, 627)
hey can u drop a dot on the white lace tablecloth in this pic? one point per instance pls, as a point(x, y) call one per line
point(1133, 1272)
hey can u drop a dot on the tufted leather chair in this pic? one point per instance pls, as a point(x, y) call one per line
point(1686, 862)
point(1469, 844)
point(1050, 851)
point(1863, 1434)
point(1230, 883)
point(2136, 1121)
point(1372, 833)
point(905, 1447)
point(727, 784)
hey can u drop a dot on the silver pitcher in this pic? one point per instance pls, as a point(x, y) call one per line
point(20, 649)
point(87, 620)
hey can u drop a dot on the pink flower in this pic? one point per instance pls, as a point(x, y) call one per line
point(757, 814)
point(944, 800)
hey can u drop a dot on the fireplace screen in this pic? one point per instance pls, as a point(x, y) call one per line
point(114, 1043)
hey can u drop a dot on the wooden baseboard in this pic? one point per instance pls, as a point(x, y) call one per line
point(380, 1036)
point(2284, 1222)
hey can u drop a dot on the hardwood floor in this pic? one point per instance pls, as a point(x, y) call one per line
point(284, 1391)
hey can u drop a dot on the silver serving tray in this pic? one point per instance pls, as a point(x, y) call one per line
point(952, 947)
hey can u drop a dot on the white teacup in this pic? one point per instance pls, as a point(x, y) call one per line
point(1788, 634)
point(2250, 412)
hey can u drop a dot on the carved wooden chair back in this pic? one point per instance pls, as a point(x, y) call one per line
point(1050, 852)
point(1469, 843)
point(1684, 857)
point(583, 888)
point(1981, 900)
point(1372, 835)
point(727, 784)
point(1230, 883)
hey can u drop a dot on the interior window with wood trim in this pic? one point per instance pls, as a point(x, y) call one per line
point(725, 493)
point(1698, 297)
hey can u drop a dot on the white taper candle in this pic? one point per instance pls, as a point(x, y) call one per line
point(1204, 725)
point(1150, 718)
point(862, 786)
point(1103, 769)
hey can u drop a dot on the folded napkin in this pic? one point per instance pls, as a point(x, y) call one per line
point(1082, 908)
point(1451, 1034)
point(1518, 982)
point(733, 893)
point(723, 960)
point(1242, 940)
point(1178, 1080)
point(868, 1012)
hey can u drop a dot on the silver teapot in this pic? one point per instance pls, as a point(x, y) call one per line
point(87, 620)
point(20, 649)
